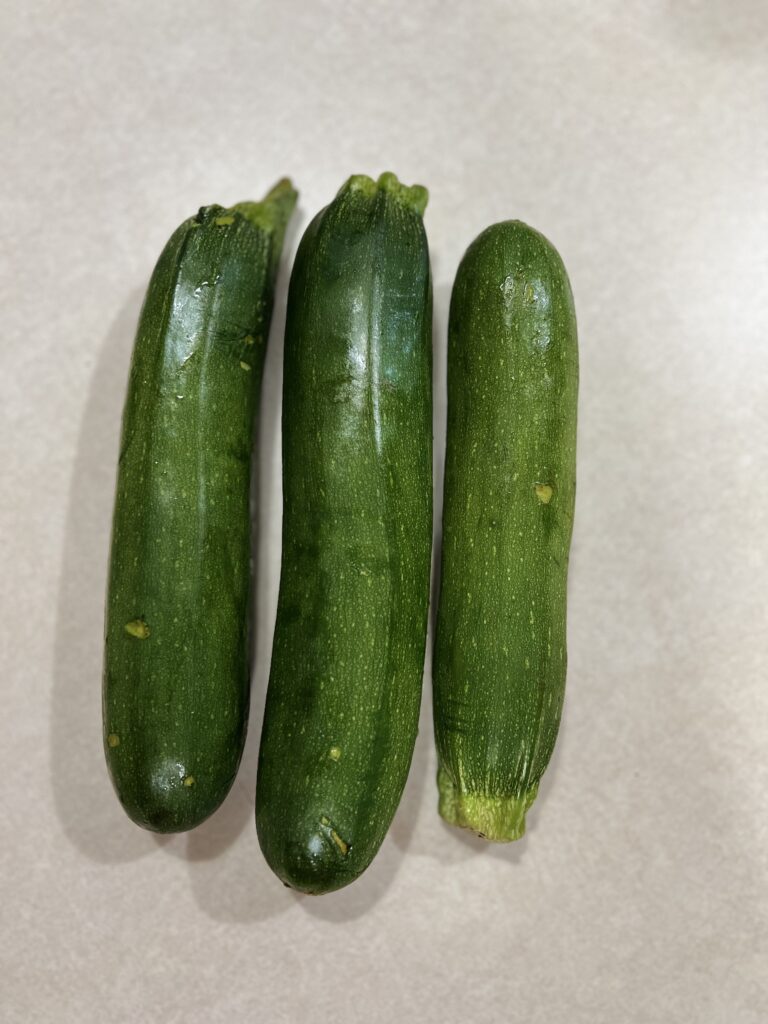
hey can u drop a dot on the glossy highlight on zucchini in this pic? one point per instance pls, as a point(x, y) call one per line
point(510, 479)
point(176, 673)
point(345, 684)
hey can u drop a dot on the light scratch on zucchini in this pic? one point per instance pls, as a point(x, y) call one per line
point(343, 847)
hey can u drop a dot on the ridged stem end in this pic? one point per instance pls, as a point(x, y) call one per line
point(500, 819)
point(413, 197)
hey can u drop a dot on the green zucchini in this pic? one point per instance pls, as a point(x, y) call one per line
point(500, 646)
point(347, 662)
point(176, 673)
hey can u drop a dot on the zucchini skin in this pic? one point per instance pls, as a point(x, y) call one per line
point(510, 481)
point(176, 672)
point(347, 663)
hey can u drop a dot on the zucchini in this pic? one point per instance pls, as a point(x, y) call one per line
point(176, 673)
point(347, 662)
point(500, 647)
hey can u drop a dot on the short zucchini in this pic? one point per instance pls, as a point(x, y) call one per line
point(500, 649)
point(176, 673)
point(344, 691)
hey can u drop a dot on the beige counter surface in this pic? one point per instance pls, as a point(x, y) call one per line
point(635, 136)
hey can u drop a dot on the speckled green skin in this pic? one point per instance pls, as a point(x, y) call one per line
point(345, 685)
point(175, 697)
point(500, 649)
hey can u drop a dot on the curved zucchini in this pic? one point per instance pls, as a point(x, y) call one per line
point(175, 695)
point(500, 649)
point(344, 691)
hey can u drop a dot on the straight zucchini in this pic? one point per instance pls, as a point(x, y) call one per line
point(500, 648)
point(176, 673)
point(347, 662)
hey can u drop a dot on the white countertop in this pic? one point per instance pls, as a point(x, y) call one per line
point(635, 136)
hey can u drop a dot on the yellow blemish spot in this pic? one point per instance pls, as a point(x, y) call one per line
point(113, 740)
point(137, 628)
point(189, 780)
point(342, 846)
point(223, 221)
point(249, 339)
point(544, 493)
point(339, 842)
point(244, 366)
point(334, 753)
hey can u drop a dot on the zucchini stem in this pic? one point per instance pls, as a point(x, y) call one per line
point(500, 819)
point(272, 215)
point(413, 197)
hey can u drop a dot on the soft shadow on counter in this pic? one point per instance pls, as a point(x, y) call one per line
point(360, 896)
point(228, 876)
